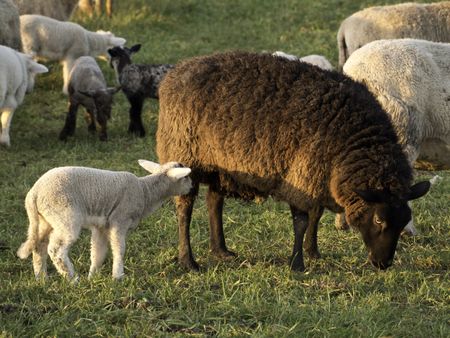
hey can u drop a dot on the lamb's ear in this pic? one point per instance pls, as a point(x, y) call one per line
point(113, 90)
point(150, 166)
point(178, 172)
point(112, 52)
point(135, 48)
point(371, 196)
point(418, 190)
point(117, 41)
point(36, 68)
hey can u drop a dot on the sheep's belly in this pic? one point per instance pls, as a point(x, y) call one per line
point(95, 221)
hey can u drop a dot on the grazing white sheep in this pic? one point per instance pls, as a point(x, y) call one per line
point(9, 25)
point(64, 200)
point(407, 20)
point(313, 59)
point(17, 72)
point(87, 87)
point(53, 40)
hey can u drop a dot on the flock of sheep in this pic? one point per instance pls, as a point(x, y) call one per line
point(247, 125)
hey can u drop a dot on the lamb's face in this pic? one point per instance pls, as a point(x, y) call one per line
point(384, 217)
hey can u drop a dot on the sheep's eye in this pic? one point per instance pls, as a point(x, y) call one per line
point(377, 220)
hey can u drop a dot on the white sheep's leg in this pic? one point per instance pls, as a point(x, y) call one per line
point(67, 67)
point(117, 236)
point(40, 259)
point(58, 249)
point(99, 249)
point(6, 117)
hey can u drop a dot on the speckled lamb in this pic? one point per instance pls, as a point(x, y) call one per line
point(257, 125)
point(138, 82)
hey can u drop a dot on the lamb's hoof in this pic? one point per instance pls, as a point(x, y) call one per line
point(224, 254)
point(314, 254)
point(296, 263)
point(340, 223)
point(136, 130)
point(103, 137)
point(188, 264)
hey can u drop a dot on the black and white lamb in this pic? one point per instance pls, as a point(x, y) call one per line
point(138, 82)
point(87, 87)
point(257, 125)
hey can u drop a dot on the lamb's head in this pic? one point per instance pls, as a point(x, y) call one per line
point(33, 68)
point(102, 99)
point(381, 220)
point(121, 55)
point(112, 40)
point(180, 182)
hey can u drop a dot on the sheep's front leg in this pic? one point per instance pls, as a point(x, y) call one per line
point(102, 121)
point(311, 247)
point(184, 205)
point(99, 249)
point(300, 222)
point(6, 117)
point(216, 236)
point(71, 121)
point(117, 235)
point(136, 126)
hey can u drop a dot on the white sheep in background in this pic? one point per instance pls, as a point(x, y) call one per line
point(407, 20)
point(53, 40)
point(316, 60)
point(56, 9)
point(17, 72)
point(87, 87)
point(109, 203)
point(411, 80)
point(10, 25)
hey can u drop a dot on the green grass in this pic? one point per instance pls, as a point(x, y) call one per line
point(255, 294)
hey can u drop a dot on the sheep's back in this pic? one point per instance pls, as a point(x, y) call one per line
point(261, 119)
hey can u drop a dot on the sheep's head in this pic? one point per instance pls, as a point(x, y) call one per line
point(121, 54)
point(383, 218)
point(181, 183)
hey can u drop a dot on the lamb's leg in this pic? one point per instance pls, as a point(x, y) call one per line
point(99, 249)
point(71, 122)
point(90, 120)
point(310, 243)
point(40, 253)
point(216, 237)
point(136, 126)
point(117, 235)
point(184, 205)
point(67, 67)
point(58, 249)
point(102, 121)
point(300, 222)
point(6, 117)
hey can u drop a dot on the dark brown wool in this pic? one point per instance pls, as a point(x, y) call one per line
point(253, 124)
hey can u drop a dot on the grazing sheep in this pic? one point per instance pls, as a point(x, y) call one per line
point(407, 20)
point(87, 87)
point(17, 72)
point(64, 200)
point(53, 40)
point(138, 81)
point(316, 60)
point(255, 125)
point(10, 25)
point(56, 9)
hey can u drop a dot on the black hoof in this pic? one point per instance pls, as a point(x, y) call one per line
point(223, 254)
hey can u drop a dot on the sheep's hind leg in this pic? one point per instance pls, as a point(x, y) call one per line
point(40, 253)
point(184, 205)
point(99, 249)
point(300, 222)
point(310, 243)
point(6, 117)
point(216, 236)
point(117, 235)
point(58, 249)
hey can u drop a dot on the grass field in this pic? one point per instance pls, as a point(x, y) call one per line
point(256, 294)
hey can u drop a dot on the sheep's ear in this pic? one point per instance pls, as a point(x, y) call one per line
point(112, 52)
point(418, 190)
point(118, 41)
point(113, 90)
point(150, 166)
point(135, 48)
point(36, 68)
point(178, 172)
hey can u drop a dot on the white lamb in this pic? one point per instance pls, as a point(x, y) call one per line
point(53, 40)
point(109, 203)
point(313, 59)
point(17, 72)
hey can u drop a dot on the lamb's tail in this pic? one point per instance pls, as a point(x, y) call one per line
point(342, 46)
point(33, 229)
